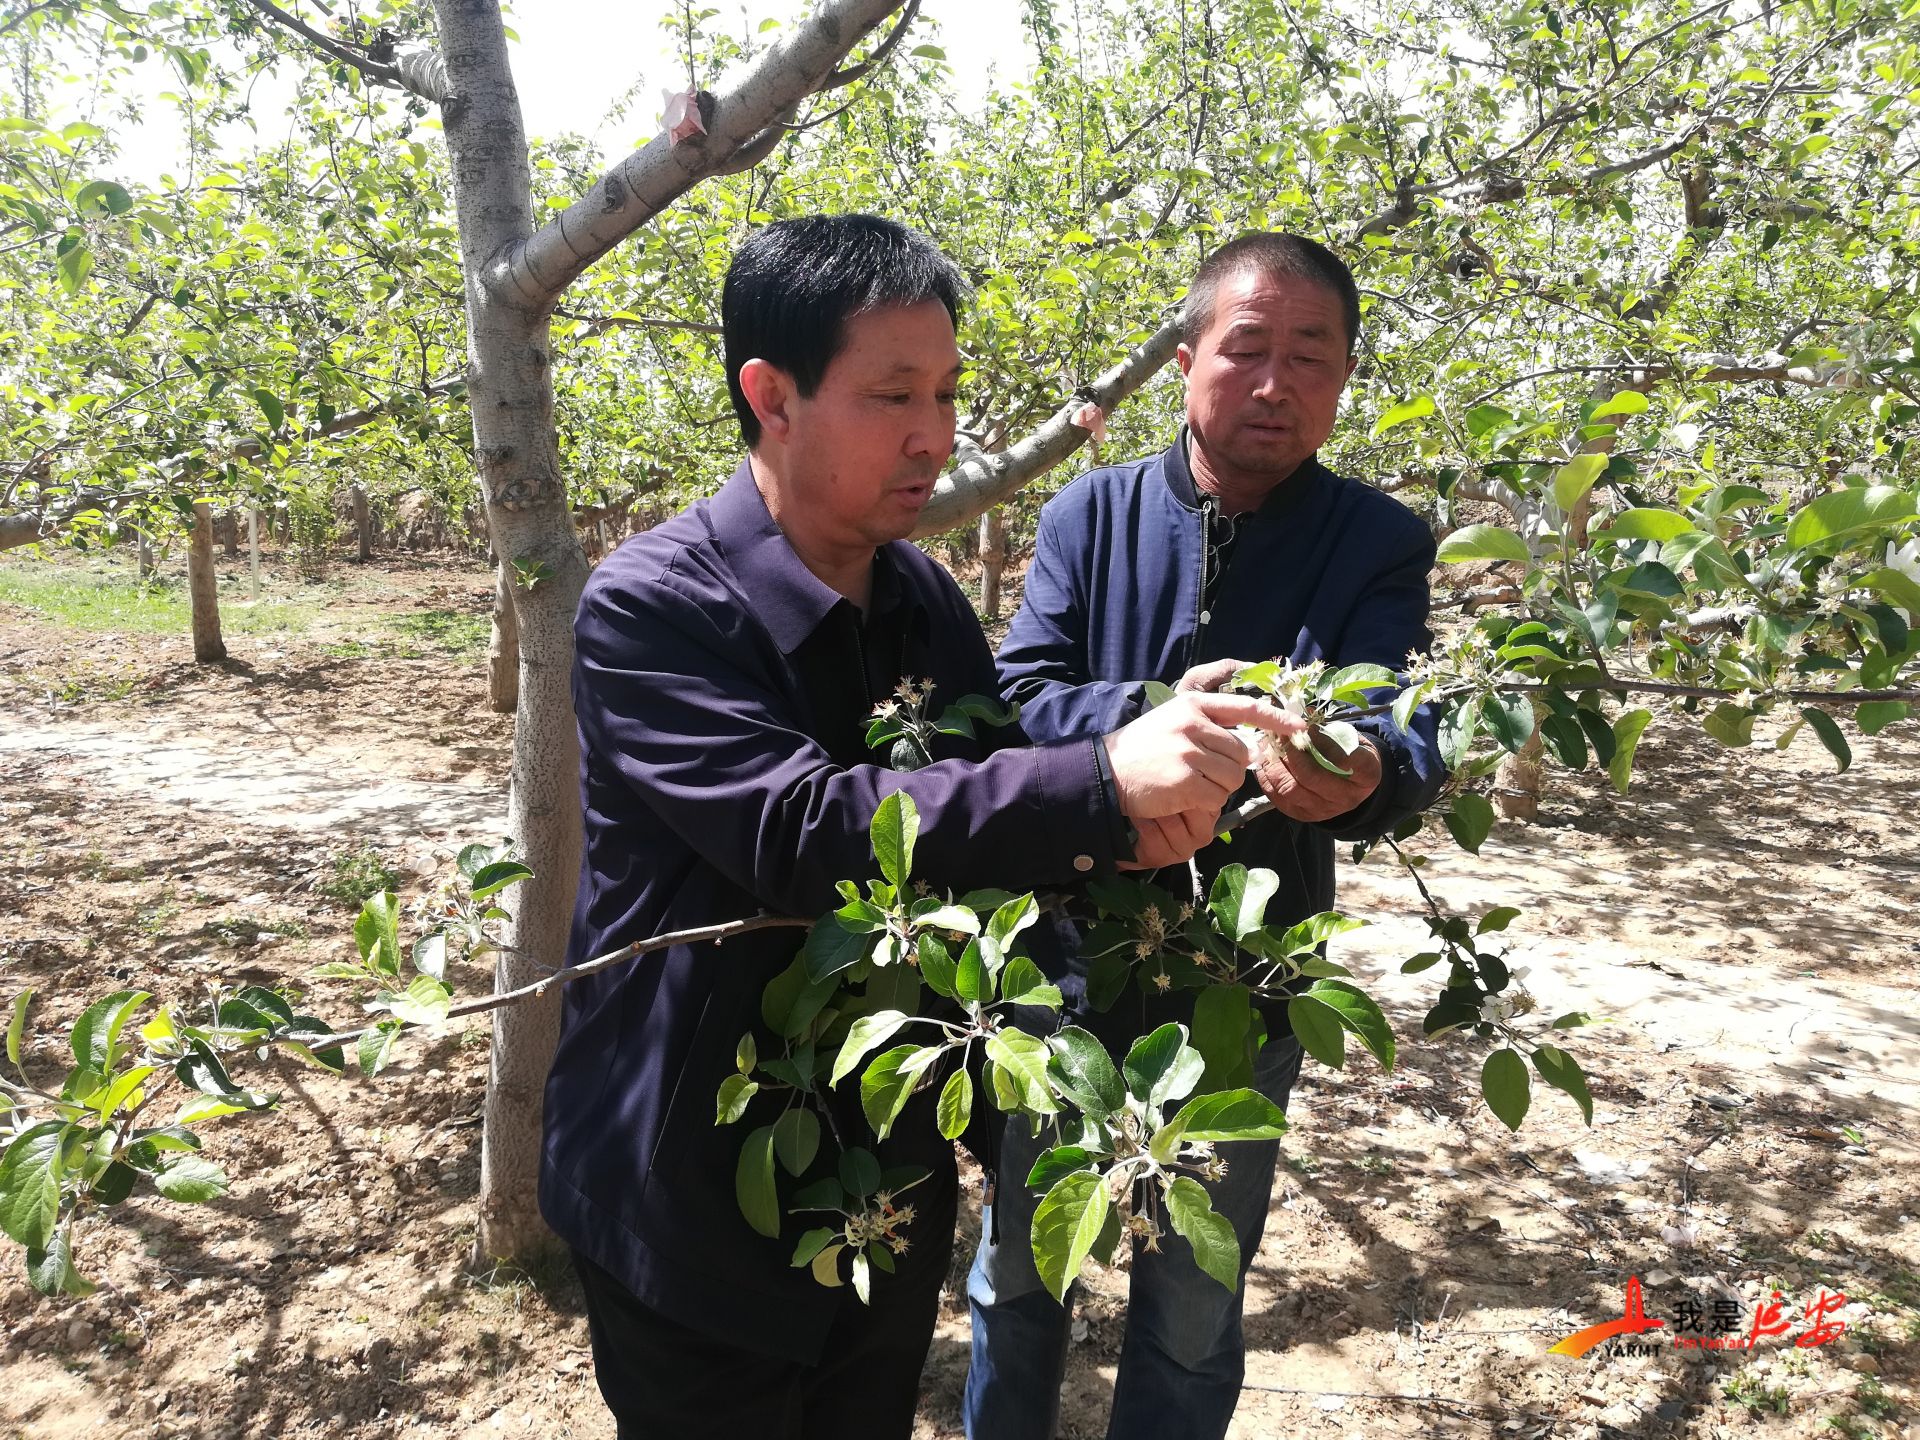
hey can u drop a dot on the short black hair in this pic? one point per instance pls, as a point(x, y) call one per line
point(1273, 254)
point(794, 285)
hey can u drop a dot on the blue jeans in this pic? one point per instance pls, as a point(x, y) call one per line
point(1183, 1358)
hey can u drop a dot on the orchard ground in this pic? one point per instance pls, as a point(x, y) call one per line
point(1749, 921)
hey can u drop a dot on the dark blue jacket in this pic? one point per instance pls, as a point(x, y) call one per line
point(707, 798)
point(1326, 569)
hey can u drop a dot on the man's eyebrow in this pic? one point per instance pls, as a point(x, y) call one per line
point(907, 367)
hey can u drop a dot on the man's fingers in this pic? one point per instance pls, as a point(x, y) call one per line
point(1228, 711)
point(1209, 677)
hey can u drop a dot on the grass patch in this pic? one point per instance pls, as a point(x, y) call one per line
point(357, 876)
point(447, 630)
point(91, 599)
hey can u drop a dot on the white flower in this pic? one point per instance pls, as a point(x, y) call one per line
point(681, 115)
point(1906, 559)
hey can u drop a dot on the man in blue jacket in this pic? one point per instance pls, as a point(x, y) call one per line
point(1236, 542)
point(727, 664)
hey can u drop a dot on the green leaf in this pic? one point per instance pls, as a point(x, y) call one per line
point(866, 1034)
point(1894, 586)
point(1648, 524)
point(1470, 820)
point(271, 407)
point(30, 1184)
point(124, 1085)
point(103, 195)
point(17, 1026)
point(96, 1034)
point(191, 1179)
point(1216, 1249)
point(1061, 1160)
point(1317, 1026)
point(1575, 478)
point(956, 1104)
point(1503, 1081)
point(375, 1050)
point(1626, 736)
point(51, 1270)
point(830, 949)
point(1239, 899)
point(1496, 920)
point(1509, 719)
point(1825, 726)
point(937, 966)
point(1731, 725)
point(826, 1266)
point(885, 1086)
point(971, 981)
point(796, 1139)
point(948, 917)
point(377, 933)
point(753, 1183)
point(74, 263)
point(1011, 918)
point(1415, 409)
point(1024, 1058)
point(1081, 1069)
point(1152, 1058)
point(1359, 1013)
point(859, 1173)
point(493, 878)
point(1844, 512)
point(731, 1103)
point(1023, 983)
point(425, 1001)
point(1482, 542)
point(1876, 715)
point(1564, 740)
point(895, 825)
point(1242, 1114)
point(1066, 1224)
point(811, 1244)
point(1624, 402)
point(1223, 1034)
point(1558, 1069)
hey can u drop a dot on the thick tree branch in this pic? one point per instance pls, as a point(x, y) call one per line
point(419, 71)
point(850, 73)
point(534, 274)
point(982, 481)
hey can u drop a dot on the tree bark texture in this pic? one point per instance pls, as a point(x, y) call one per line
point(362, 523)
point(208, 647)
point(993, 560)
point(253, 552)
point(503, 650)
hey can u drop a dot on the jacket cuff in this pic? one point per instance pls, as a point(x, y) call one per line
point(1121, 833)
point(1076, 806)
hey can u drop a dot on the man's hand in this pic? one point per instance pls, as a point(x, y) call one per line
point(1172, 839)
point(1304, 790)
point(1208, 677)
point(1184, 756)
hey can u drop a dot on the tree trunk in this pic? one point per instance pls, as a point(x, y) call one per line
point(363, 523)
point(993, 560)
point(514, 276)
point(142, 557)
point(503, 651)
point(1516, 784)
point(253, 552)
point(230, 532)
point(207, 644)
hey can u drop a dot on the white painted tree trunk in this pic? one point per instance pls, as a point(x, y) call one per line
point(253, 552)
point(208, 647)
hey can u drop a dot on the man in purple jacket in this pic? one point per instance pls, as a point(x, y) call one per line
point(727, 663)
point(1236, 542)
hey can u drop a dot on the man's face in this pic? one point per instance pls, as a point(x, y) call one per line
point(867, 445)
point(1264, 381)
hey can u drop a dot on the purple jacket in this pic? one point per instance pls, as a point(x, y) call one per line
point(707, 798)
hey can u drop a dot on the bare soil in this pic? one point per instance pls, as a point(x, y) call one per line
point(1748, 922)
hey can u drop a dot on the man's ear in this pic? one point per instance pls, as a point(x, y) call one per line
point(770, 395)
point(1353, 364)
point(1185, 356)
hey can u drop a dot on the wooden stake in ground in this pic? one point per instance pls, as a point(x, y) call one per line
point(362, 522)
point(208, 647)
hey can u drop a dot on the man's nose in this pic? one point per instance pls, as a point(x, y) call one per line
point(931, 434)
point(1273, 384)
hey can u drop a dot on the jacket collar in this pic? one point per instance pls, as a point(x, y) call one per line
point(1289, 493)
point(787, 598)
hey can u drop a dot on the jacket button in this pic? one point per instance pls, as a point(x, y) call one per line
point(1083, 863)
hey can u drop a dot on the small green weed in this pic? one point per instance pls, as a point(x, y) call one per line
point(1754, 1395)
point(358, 874)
